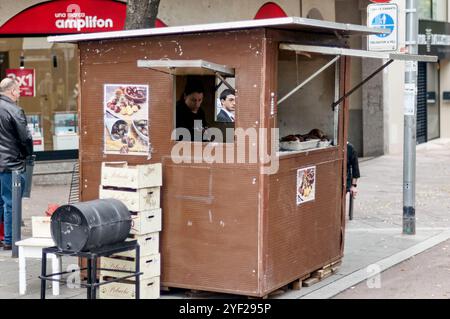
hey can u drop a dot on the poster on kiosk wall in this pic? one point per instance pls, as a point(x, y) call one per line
point(306, 185)
point(126, 119)
point(26, 79)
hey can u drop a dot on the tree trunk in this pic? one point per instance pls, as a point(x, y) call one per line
point(141, 14)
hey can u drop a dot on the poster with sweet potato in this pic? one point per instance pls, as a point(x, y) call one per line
point(306, 185)
point(126, 120)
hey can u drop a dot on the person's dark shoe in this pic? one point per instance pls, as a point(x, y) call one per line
point(7, 247)
point(1, 243)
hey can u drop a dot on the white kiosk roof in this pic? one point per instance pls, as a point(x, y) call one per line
point(288, 23)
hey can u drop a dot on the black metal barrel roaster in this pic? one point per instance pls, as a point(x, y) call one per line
point(89, 225)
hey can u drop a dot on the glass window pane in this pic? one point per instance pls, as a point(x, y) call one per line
point(424, 8)
point(440, 10)
point(52, 111)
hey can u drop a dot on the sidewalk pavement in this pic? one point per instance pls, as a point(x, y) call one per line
point(373, 243)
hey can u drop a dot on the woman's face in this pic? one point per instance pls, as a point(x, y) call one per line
point(193, 101)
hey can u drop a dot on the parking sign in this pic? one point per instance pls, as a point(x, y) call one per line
point(383, 16)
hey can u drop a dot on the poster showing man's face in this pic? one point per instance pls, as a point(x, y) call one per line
point(229, 103)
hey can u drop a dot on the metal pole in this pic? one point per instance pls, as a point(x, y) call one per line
point(16, 211)
point(410, 138)
point(350, 209)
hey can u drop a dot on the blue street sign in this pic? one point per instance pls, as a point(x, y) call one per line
point(383, 16)
point(384, 21)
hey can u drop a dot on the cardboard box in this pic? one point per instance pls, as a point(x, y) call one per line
point(134, 177)
point(144, 199)
point(149, 289)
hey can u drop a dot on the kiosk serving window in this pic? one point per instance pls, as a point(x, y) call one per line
point(322, 80)
point(204, 102)
point(306, 118)
point(211, 113)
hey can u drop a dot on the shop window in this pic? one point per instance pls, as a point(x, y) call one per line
point(425, 9)
point(50, 89)
point(432, 10)
point(440, 10)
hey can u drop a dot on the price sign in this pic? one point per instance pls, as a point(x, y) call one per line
point(26, 79)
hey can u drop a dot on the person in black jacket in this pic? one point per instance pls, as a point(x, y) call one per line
point(353, 173)
point(189, 114)
point(16, 144)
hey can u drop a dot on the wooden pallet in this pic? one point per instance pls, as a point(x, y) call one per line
point(322, 273)
point(305, 281)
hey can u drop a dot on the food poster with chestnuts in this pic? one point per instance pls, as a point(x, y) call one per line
point(306, 185)
point(126, 119)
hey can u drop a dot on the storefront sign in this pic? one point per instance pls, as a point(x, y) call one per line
point(126, 119)
point(383, 16)
point(26, 79)
point(69, 16)
point(306, 185)
point(434, 38)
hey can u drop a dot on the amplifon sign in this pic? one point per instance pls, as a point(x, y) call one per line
point(74, 18)
point(68, 16)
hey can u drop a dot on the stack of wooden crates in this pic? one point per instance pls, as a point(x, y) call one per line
point(138, 187)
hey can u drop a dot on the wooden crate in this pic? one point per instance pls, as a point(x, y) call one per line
point(150, 289)
point(119, 174)
point(40, 226)
point(150, 266)
point(144, 199)
point(149, 245)
point(146, 222)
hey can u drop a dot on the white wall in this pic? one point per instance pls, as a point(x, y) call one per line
point(445, 106)
point(181, 12)
point(10, 8)
point(394, 79)
point(326, 8)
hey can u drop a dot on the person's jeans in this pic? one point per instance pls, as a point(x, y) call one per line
point(6, 194)
point(2, 205)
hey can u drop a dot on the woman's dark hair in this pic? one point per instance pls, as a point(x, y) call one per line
point(193, 86)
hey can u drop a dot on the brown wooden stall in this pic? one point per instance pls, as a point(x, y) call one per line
point(231, 227)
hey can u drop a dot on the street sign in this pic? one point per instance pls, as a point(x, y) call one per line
point(383, 16)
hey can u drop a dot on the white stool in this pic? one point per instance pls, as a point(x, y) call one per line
point(32, 248)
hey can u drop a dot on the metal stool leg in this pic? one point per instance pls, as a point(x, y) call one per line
point(43, 273)
point(138, 270)
point(350, 210)
point(89, 277)
point(93, 287)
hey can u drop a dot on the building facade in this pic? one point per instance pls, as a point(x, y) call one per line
point(377, 117)
point(49, 72)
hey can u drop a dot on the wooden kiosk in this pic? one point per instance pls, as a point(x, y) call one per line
point(238, 227)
